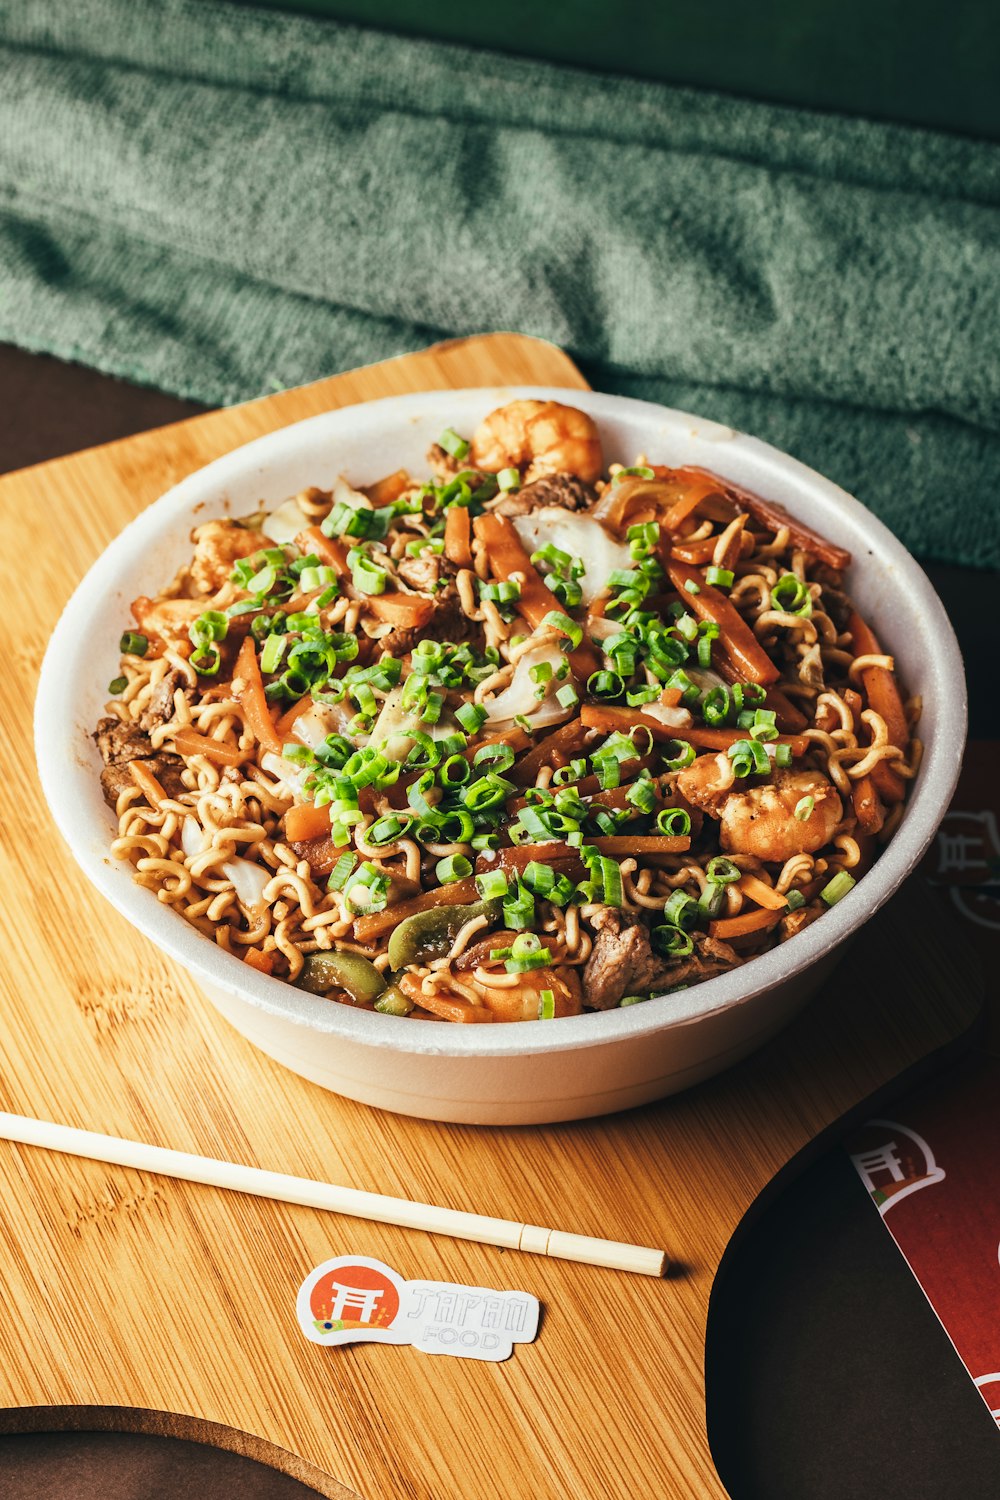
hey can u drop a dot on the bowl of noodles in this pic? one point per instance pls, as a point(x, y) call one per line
point(502, 756)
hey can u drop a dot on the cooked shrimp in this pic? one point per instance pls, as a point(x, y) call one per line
point(539, 437)
point(762, 820)
point(521, 1001)
point(706, 782)
point(218, 544)
point(167, 618)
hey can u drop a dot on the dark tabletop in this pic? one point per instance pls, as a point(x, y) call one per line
point(829, 1376)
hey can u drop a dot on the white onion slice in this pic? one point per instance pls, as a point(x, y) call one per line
point(248, 879)
point(518, 697)
point(284, 524)
point(579, 535)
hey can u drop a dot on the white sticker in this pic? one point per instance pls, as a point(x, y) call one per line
point(354, 1299)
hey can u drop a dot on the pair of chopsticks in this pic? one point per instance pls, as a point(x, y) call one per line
point(341, 1200)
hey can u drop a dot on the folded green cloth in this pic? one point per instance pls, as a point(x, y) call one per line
point(221, 202)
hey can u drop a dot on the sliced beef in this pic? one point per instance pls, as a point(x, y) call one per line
point(119, 745)
point(797, 921)
point(166, 768)
point(449, 623)
point(622, 961)
point(564, 490)
point(710, 957)
point(426, 573)
point(159, 709)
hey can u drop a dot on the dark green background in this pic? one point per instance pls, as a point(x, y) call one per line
point(926, 62)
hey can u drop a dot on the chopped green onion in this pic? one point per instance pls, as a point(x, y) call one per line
point(691, 587)
point(782, 756)
point(673, 941)
point(542, 880)
point(117, 685)
point(471, 716)
point(722, 871)
point(453, 444)
point(749, 758)
point(804, 808)
point(792, 596)
point(386, 830)
point(338, 875)
point(546, 1006)
point(509, 479)
point(837, 888)
point(611, 879)
point(274, 650)
point(640, 472)
point(567, 696)
point(674, 822)
point(795, 900)
point(683, 757)
point(642, 795)
point(719, 578)
point(133, 644)
point(565, 625)
point(680, 911)
point(605, 685)
point(453, 867)
point(632, 1000)
point(491, 885)
point(207, 660)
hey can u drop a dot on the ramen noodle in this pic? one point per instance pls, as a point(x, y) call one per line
point(531, 736)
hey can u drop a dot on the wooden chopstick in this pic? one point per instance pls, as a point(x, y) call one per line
point(358, 1204)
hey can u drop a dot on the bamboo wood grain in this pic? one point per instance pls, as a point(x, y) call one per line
point(125, 1290)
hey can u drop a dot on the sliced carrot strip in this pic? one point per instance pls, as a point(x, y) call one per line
point(250, 696)
point(189, 742)
point(556, 749)
point(458, 536)
point(507, 556)
point(147, 783)
point(516, 738)
point(867, 808)
point(286, 723)
point(376, 923)
point(612, 717)
point(884, 698)
point(262, 962)
point(405, 611)
point(758, 920)
point(329, 549)
point(304, 822)
point(625, 844)
point(385, 491)
point(765, 895)
point(736, 637)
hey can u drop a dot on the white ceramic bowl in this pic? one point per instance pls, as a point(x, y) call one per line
point(525, 1072)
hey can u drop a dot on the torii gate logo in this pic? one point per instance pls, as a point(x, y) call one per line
point(354, 1299)
point(893, 1162)
point(359, 1295)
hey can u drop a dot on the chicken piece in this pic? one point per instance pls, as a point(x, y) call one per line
point(539, 438)
point(218, 545)
point(762, 821)
point(562, 490)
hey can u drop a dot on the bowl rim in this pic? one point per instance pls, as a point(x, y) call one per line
point(59, 752)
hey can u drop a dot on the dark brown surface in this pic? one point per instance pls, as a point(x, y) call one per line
point(133, 1466)
point(828, 1374)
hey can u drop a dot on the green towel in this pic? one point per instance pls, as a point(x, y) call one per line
point(221, 202)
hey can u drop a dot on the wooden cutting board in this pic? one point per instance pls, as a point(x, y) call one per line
point(138, 1302)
